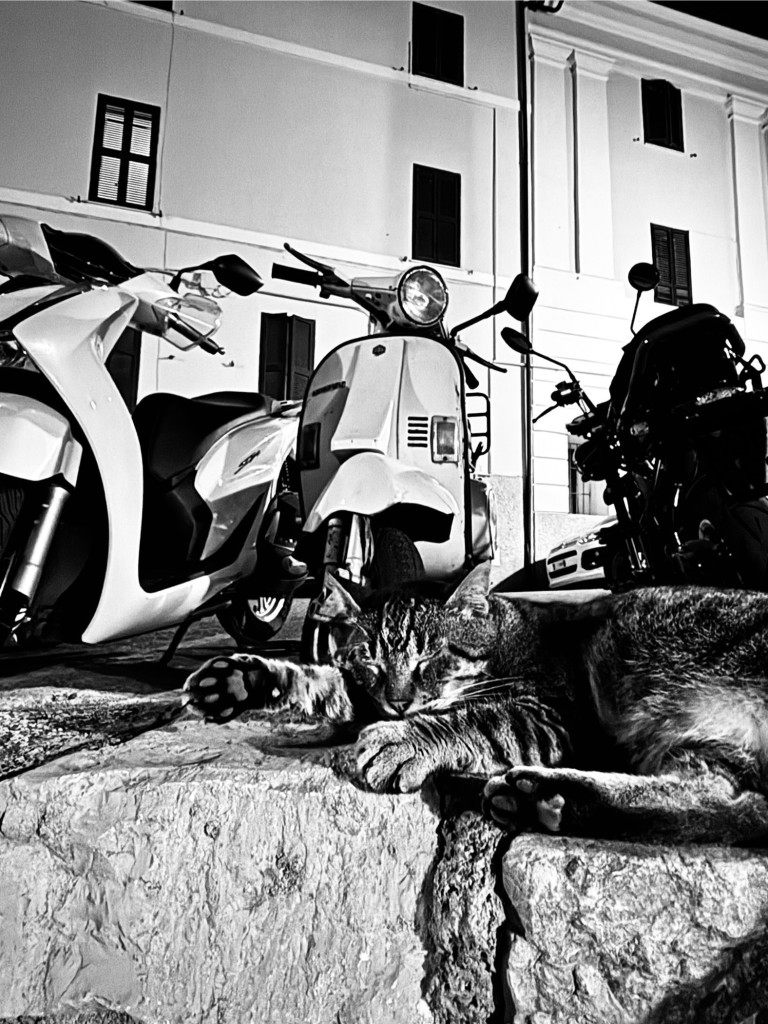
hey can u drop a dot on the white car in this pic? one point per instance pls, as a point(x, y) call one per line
point(578, 561)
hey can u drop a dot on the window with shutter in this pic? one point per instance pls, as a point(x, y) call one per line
point(672, 259)
point(436, 216)
point(662, 114)
point(437, 46)
point(286, 356)
point(125, 144)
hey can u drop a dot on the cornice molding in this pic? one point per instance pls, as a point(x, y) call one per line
point(551, 51)
point(627, 28)
point(748, 111)
point(593, 65)
point(465, 94)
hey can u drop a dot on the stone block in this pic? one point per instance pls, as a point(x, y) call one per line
point(617, 933)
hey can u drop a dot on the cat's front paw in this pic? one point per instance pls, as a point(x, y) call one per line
point(526, 800)
point(388, 759)
point(224, 687)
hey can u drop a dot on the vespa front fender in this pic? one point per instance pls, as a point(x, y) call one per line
point(370, 482)
point(37, 441)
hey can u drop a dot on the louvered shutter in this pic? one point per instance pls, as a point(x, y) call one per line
point(302, 356)
point(287, 355)
point(672, 259)
point(436, 215)
point(125, 153)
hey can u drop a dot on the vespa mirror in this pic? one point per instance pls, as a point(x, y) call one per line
point(516, 340)
point(643, 277)
point(521, 297)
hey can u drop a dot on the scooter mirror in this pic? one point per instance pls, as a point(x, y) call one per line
point(643, 277)
point(521, 297)
point(235, 274)
point(516, 340)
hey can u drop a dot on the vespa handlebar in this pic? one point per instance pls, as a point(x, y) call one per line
point(297, 275)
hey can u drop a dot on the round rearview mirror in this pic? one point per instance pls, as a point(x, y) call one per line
point(516, 340)
point(235, 274)
point(643, 277)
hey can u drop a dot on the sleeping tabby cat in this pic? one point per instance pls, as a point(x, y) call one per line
point(641, 715)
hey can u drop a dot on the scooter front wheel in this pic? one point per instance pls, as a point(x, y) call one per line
point(12, 494)
point(252, 622)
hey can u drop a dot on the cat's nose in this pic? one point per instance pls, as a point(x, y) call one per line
point(399, 706)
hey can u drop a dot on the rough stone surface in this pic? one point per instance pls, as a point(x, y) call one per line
point(463, 919)
point(204, 874)
point(610, 933)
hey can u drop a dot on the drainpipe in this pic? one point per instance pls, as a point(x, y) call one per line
point(521, 40)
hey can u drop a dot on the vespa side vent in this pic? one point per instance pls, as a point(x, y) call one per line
point(418, 432)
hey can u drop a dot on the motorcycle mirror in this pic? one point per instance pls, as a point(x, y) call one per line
point(516, 340)
point(235, 274)
point(643, 277)
point(520, 298)
point(232, 272)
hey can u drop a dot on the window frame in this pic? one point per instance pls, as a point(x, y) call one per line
point(434, 253)
point(674, 288)
point(130, 108)
point(435, 36)
point(662, 107)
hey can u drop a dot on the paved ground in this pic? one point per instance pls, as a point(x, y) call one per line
point(72, 697)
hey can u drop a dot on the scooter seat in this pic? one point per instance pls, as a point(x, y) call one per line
point(175, 432)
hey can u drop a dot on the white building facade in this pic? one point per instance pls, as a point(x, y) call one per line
point(309, 122)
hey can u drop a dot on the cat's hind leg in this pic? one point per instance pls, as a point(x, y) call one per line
point(224, 687)
point(688, 806)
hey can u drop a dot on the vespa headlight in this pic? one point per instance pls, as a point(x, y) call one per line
point(422, 295)
point(186, 320)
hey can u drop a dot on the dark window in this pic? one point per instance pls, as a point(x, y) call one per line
point(437, 49)
point(436, 215)
point(123, 365)
point(161, 5)
point(287, 355)
point(124, 153)
point(585, 497)
point(662, 114)
point(672, 259)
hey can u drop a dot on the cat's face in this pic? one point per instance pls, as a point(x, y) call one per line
point(410, 652)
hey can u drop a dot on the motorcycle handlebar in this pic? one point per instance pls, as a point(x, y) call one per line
point(297, 275)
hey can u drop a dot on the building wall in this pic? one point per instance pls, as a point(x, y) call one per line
point(305, 128)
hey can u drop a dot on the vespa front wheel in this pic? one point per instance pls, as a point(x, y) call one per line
point(396, 559)
point(254, 621)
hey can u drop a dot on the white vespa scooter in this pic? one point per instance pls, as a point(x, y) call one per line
point(113, 525)
point(387, 454)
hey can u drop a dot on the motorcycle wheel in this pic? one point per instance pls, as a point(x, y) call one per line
point(396, 559)
point(255, 621)
point(12, 494)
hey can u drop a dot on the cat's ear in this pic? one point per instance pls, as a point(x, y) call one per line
point(470, 598)
point(335, 603)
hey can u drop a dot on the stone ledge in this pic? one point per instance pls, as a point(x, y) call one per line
point(211, 875)
point(193, 876)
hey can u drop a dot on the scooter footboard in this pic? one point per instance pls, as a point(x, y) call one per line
point(37, 441)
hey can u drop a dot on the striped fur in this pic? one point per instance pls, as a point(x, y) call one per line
point(644, 714)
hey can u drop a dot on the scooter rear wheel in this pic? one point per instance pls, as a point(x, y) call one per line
point(255, 621)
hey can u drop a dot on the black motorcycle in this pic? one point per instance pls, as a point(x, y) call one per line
point(681, 445)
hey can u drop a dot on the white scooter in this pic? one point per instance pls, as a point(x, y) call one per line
point(389, 439)
point(113, 525)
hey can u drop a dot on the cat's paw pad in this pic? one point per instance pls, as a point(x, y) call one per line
point(224, 687)
point(526, 799)
point(387, 759)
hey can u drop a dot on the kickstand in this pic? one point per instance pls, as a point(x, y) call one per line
point(173, 646)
